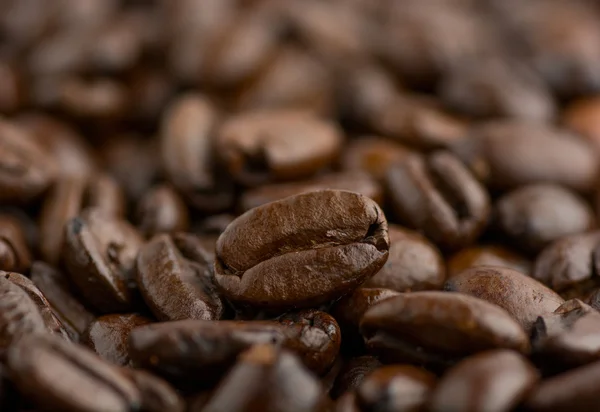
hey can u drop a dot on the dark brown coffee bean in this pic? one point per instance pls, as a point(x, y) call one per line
point(108, 336)
point(156, 394)
point(494, 381)
point(15, 255)
point(510, 154)
point(269, 380)
point(374, 155)
point(67, 308)
point(351, 181)
point(569, 336)
point(571, 264)
point(19, 315)
point(413, 264)
point(86, 382)
point(395, 388)
point(581, 116)
point(522, 297)
point(301, 251)
point(53, 324)
point(161, 210)
point(438, 196)
point(183, 349)
point(188, 157)
point(12, 90)
point(176, 285)
point(271, 145)
point(524, 215)
point(100, 252)
point(572, 391)
point(26, 170)
point(492, 255)
point(438, 328)
point(104, 193)
point(353, 373)
point(94, 99)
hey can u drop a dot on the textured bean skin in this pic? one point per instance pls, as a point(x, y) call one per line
point(335, 241)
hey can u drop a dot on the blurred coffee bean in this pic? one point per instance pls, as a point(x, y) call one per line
point(522, 297)
point(15, 255)
point(99, 254)
point(413, 264)
point(438, 328)
point(353, 373)
point(583, 117)
point(489, 255)
point(440, 197)
point(508, 154)
point(156, 394)
point(269, 145)
point(493, 381)
point(298, 253)
point(176, 285)
point(98, 99)
point(357, 181)
point(12, 88)
point(534, 216)
point(161, 210)
point(108, 336)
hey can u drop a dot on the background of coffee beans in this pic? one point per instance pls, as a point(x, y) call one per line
point(299, 205)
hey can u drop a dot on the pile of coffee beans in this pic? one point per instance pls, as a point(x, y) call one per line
point(299, 205)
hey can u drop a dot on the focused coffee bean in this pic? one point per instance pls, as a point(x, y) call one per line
point(438, 328)
point(301, 251)
point(438, 196)
point(14, 251)
point(100, 252)
point(161, 210)
point(523, 215)
point(488, 255)
point(86, 382)
point(521, 296)
point(108, 336)
point(493, 381)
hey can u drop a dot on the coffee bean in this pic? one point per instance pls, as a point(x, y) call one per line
point(521, 296)
point(100, 252)
point(108, 336)
point(493, 381)
point(14, 249)
point(176, 286)
point(263, 146)
point(268, 379)
point(438, 328)
point(581, 116)
point(156, 395)
point(161, 210)
point(523, 215)
point(86, 382)
point(353, 373)
point(438, 196)
point(413, 264)
point(301, 251)
point(488, 255)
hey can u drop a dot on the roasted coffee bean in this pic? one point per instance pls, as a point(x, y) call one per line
point(184, 349)
point(156, 395)
point(301, 251)
point(14, 251)
point(493, 381)
point(175, 284)
point(270, 380)
point(568, 336)
point(161, 210)
point(65, 305)
point(86, 382)
point(19, 315)
point(571, 264)
point(438, 328)
point(271, 145)
point(509, 154)
point(438, 196)
point(100, 252)
point(350, 181)
point(353, 373)
point(492, 255)
point(413, 264)
point(26, 170)
point(108, 336)
point(572, 391)
point(523, 215)
point(393, 388)
point(100, 99)
point(53, 324)
point(581, 116)
point(188, 157)
point(521, 296)
point(373, 155)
